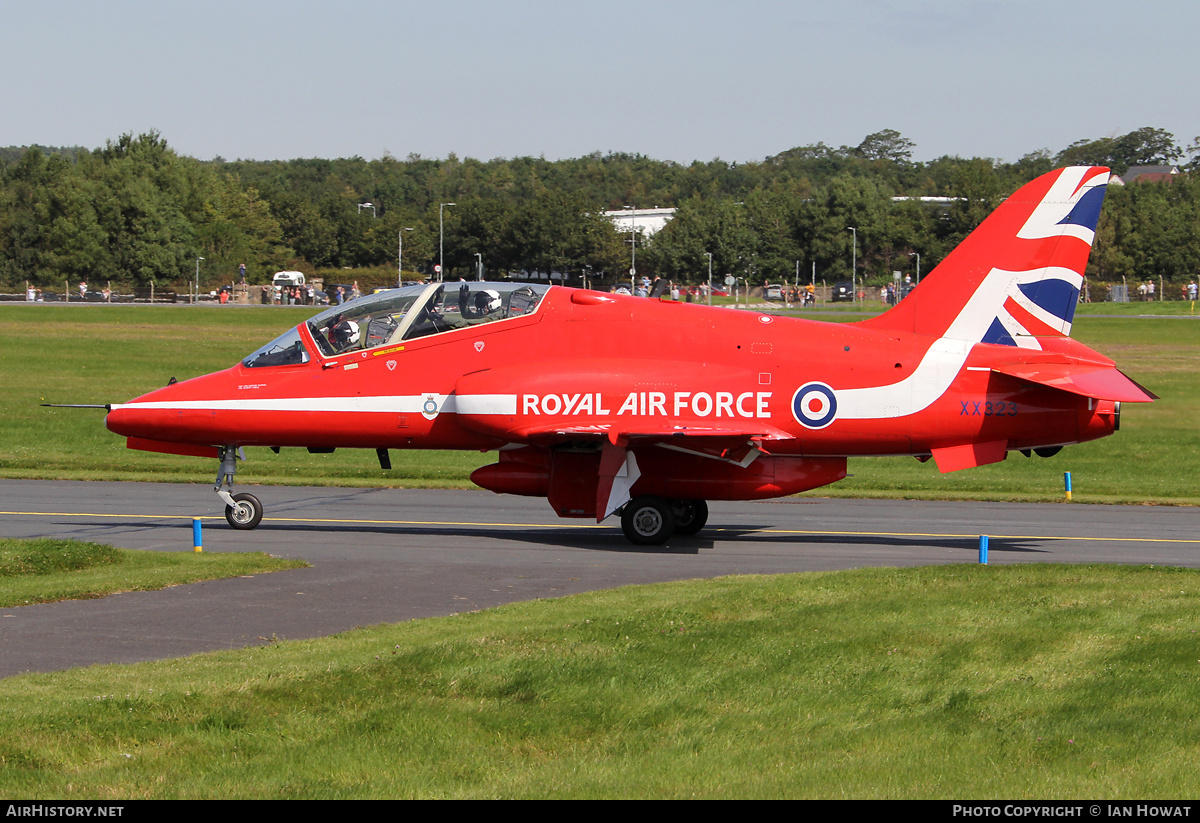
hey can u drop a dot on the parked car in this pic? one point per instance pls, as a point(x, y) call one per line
point(843, 290)
point(773, 291)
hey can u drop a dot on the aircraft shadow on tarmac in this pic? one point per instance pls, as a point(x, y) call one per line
point(612, 540)
point(596, 540)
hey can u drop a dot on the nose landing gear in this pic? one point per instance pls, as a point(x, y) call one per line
point(243, 511)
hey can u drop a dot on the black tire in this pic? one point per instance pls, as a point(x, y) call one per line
point(648, 521)
point(248, 513)
point(690, 516)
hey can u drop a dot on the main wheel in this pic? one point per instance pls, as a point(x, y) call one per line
point(648, 521)
point(247, 514)
point(690, 516)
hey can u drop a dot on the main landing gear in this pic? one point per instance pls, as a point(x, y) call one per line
point(243, 511)
point(650, 520)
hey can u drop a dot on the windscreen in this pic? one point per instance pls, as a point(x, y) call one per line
point(285, 350)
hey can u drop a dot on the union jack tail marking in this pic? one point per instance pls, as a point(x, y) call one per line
point(1017, 277)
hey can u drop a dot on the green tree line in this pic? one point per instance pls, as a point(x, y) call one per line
point(135, 212)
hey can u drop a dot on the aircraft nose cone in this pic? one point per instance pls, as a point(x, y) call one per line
point(130, 421)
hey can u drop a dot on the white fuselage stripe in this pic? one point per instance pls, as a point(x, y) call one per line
point(478, 404)
point(917, 392)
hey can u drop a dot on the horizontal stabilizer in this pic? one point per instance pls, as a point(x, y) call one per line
point(1100, 382)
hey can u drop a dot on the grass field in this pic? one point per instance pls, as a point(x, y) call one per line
point(45, 570)
point(1031, 681)
point(103, 354)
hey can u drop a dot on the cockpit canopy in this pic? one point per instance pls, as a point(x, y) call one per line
point(403, 314)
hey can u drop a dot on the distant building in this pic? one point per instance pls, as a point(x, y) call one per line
point(1146, 174)
point(644, 221)
point(930, 201)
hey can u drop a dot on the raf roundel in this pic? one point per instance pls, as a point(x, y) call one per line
point(814, 405)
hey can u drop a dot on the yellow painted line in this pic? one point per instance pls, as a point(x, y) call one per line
point(95, 514)
point(976, 536)
point(316, 520)
point(562, 525)
point(435, 523)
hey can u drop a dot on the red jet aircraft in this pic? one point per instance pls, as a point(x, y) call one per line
point(603, 403)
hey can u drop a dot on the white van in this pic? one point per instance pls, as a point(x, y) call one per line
point(287, 279)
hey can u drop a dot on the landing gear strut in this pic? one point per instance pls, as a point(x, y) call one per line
point(243, 511)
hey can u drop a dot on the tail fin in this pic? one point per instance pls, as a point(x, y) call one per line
point(1017, 276)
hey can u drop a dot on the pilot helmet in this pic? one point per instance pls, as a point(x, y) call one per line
point(487, 301)
point(347, 332)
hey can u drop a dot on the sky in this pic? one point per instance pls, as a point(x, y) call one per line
point(668, 79)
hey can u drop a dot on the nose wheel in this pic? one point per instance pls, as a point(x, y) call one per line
point(245, 513)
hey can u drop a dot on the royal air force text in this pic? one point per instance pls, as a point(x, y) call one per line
point(652, 404)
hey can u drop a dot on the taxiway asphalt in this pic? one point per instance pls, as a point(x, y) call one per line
point(388, 555)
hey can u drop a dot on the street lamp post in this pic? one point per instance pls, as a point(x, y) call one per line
point(854, 264)
point(478, 266)
point(441, 238)
point(751, 274)
point(709, 277)
point(917, 255)
point(400, 257)
point(632, 250)
point(196, 299)
point(370, 206)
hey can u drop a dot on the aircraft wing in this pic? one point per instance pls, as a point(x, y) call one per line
point(619, 468)
point(716, 437)
point(1089, 380)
